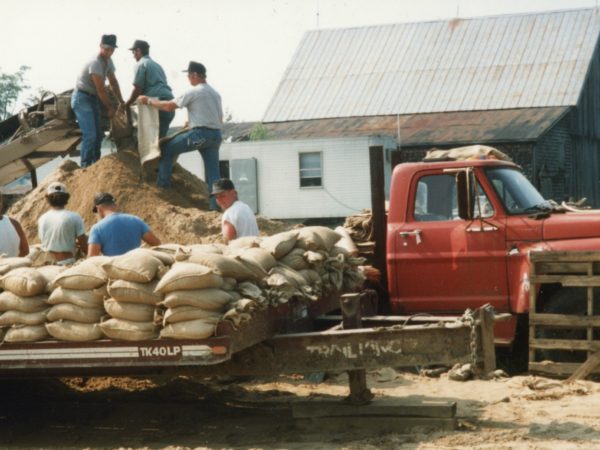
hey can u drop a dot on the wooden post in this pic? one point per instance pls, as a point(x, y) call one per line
point(351, 319)
point(378, 210)
point(486, 321)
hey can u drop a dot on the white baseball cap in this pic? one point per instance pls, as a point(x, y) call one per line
point(56, 187)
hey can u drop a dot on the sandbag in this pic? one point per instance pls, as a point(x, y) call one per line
point(228, 283)
point(295, 259)
point(317, 238)
point(27, 333)
point(86, 275)
point(294, 277)
point(225, 266)
point(10, 301)
point(128, 291)
point(128, 330)
point(189, 329)
point(346, 243)
point(186, 313)
point(9, 263)
point(13, 317)
point(85, 299)
point(244, 242)
point(258, 256)
point(24, 281)
point(67, 330)
point(280, 244)
point(68, 311)
point(185, 275)
point(50, 273)
point(167, 258)
point(312, 277)
point(136, 266)
point(209, 299)
point(136, 312)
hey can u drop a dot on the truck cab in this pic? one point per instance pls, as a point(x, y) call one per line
point(460, 233)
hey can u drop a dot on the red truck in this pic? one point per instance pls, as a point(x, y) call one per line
point(460, 234)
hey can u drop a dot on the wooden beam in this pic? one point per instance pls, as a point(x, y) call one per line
point(586, 368)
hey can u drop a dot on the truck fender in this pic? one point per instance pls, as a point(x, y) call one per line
point(518, 267)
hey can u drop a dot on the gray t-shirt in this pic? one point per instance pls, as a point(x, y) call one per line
point(96, 66)
point(58, 230)
point(204, 106)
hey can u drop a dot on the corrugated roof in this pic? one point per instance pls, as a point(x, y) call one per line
point(509, 125)
point(489, 63)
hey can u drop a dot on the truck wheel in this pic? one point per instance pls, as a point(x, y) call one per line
point(571, 301)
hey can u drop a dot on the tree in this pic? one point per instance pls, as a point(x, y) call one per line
point(259, 132)
point(11, 85)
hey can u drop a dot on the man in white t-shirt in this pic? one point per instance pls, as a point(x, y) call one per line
point(61, 231)
point(238, 219)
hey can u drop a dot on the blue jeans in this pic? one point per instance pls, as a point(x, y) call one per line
point(87, 110)
point(205, 140)
point(164, 121)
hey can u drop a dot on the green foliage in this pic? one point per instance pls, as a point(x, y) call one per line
point(259, 132)
point(11, 85)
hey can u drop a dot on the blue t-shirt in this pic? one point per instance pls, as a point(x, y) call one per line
point(118, 233)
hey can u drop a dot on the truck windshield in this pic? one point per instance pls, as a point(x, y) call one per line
point(516, 192)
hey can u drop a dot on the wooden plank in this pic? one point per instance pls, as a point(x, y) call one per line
point(549, 268)
point(381, 424)
point(486, 318)
point(586, 368)
point(60, 145)
point(568, 280)
point(568, 256)
point(565, 344)
point(380, 407)
point(565, 320)
point(553, 368)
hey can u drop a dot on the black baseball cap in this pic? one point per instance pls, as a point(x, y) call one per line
point(142, 45)
point(222, 185)
point(103, 198)
point(109, 40)
point(197, 67)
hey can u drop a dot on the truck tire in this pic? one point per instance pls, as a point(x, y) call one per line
point(571, 301)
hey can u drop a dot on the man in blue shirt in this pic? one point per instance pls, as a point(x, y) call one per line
point(150, 80)
point(116, 233)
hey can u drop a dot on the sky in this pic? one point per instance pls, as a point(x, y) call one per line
point(245, 45)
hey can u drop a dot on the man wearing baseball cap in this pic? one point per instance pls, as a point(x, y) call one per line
point(238, 218)
point(61, 231)
point(116, 233)
point(150, 80)
point(205, 120)
point(90, 93)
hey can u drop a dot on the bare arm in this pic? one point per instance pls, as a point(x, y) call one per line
point(23, 244)
point(81, 243)
point(94, 249)
point(99, 83)
point(150, 239)
point(229, 231)
point(134, 95)
point(115, 86)
point(163, 105)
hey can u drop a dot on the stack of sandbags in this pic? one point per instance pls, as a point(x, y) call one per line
point(194, 300)
point(133, 300)
point(9, 263)
point(77, 301)
point(23, 305)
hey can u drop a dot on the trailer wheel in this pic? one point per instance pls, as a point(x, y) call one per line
point(571, 301)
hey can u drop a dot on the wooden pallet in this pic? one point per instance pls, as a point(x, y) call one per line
point(570, 269)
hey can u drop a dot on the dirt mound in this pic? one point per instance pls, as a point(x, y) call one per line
point(176, 215)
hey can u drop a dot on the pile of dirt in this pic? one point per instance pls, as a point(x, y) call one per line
point(178, 215)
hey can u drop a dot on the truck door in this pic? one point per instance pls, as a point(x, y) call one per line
point(445, 264)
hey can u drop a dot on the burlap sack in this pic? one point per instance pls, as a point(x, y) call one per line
point(346, 243)
point(167, 258)
point(27, 333)
point(187, 313)
point(67, 330)
point(209, 299)
point(184, 253)
point(9, 263)
point(295, 259)
point(50, 273)
point(312, 277)
point(137, 266)
point(280, 244)
point(68, 311)
point(229, 283)
point(83, 276)
point(24, 281)
point(136, 312)
point(185, 275)
point(244, 243)
point(191, 329)
point(294, 277)
point(128, 330)
point(258, 256)
point(85, 299)
point(13, 317)
point(225, 266)
point(10, 301)
point(317, 238)
point(128, 291)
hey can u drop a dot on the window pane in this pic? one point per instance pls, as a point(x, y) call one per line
point(310, 169)
point(435, 198)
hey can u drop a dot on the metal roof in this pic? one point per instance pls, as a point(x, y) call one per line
point(489, 63)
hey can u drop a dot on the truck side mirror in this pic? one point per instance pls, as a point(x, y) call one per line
point(466, 194)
